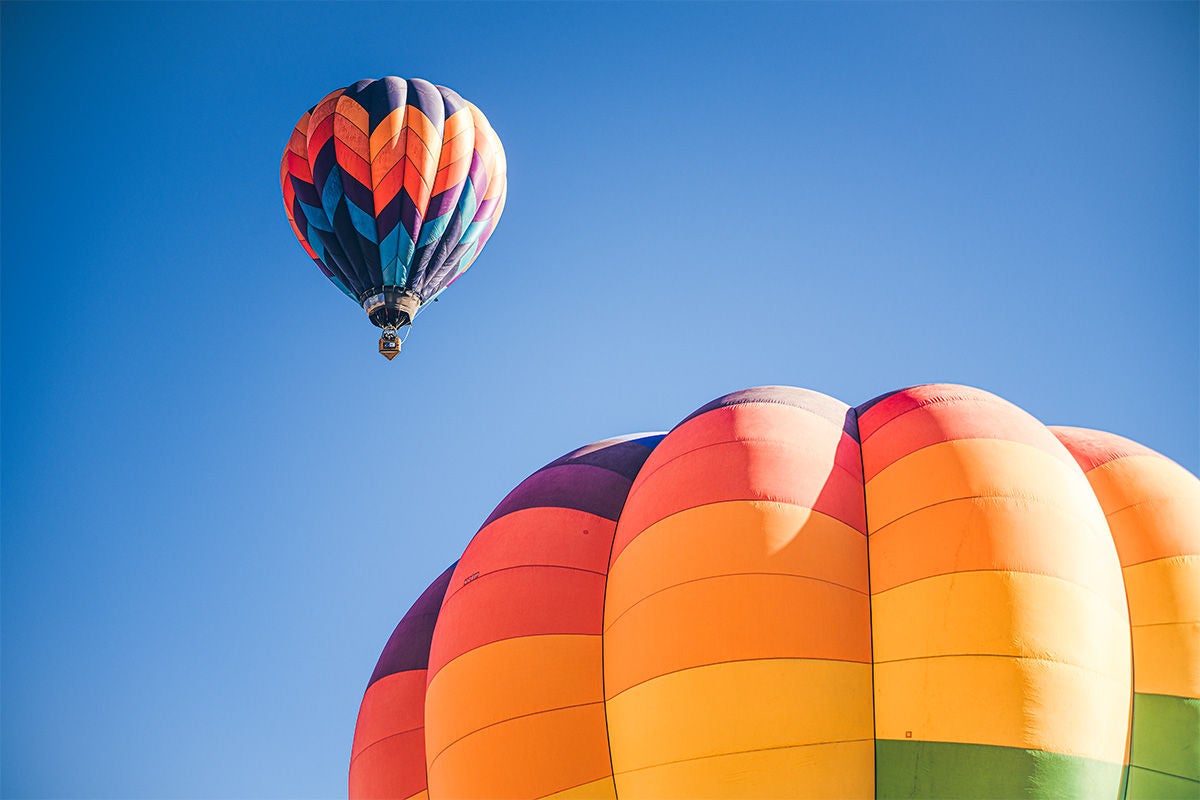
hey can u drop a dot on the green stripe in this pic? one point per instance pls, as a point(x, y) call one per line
point(955, 771)
point(1146, 784)
point(1166, 739)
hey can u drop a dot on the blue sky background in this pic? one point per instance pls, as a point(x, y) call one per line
point(218, 499)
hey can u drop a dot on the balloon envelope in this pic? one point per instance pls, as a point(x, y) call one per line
point(929, 595)
point(393, 187)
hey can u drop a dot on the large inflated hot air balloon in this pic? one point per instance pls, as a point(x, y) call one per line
point(393, 187)
point(929, 595)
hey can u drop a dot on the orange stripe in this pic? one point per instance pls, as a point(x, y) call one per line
point(1153, 507)
point(529, 756)
point(388, 129)
point(352, 137)
point(388, 156)
point(352, 163)
point(451, 175)
point(732, 618)
point(418, 123)
point(985, 533)
point(422, 166)
point(417, 188)
point(456, 123)
point(485, 145)
point(349, 110)
point(740, 537)
point(460, 146)
point(391, 184)
point(509, 679)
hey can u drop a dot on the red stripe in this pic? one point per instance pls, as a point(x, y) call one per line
point(916, 418)
point(1092, 449)
point(523, 601)
point(547, 536)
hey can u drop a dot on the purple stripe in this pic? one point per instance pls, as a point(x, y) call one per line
point(358, 194)
point(400, 210)
point(408, 646)
point(583, 487)
point(622, 456)
point(486, 208)
point(477, 175)
point(444, 202)
point(305, 191)
point(425, 97)
point(822, 405)
point(322, 165)
point(384, 96)
point(451, 100)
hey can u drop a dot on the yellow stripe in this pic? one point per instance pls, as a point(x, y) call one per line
point(1004, 614)
point(844, 770)
point(979, 467)
point(602, 789)
point(738, 537)
point(739, 706)
point(1166, 590)
point(1166, 659)
point(507, 679)
point(1010, 702)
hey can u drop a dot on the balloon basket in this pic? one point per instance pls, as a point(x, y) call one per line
point(389, 344)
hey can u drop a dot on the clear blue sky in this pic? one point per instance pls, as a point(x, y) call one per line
point(218, 499)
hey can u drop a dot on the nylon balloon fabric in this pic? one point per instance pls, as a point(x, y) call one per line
point(393, 188)
point(929, 595)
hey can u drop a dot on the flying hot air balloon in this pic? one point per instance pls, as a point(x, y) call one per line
point(393, 187)
point(930, 595)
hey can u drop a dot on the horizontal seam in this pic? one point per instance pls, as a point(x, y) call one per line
point(481, 575)
point(510, 719)
point(1146, 502)
point(608, 627)
point(1152, 559)
point(493, 520)
point(723, 502)
point(384, 739)
point(733, 661)
point(434, 676)
point(1161, 772)
point(1061, 461)
point(938, 401)
point(1121, 612)
point(1079, 667)
point(1039, 499)
point(641, 480)
point(741, 752)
